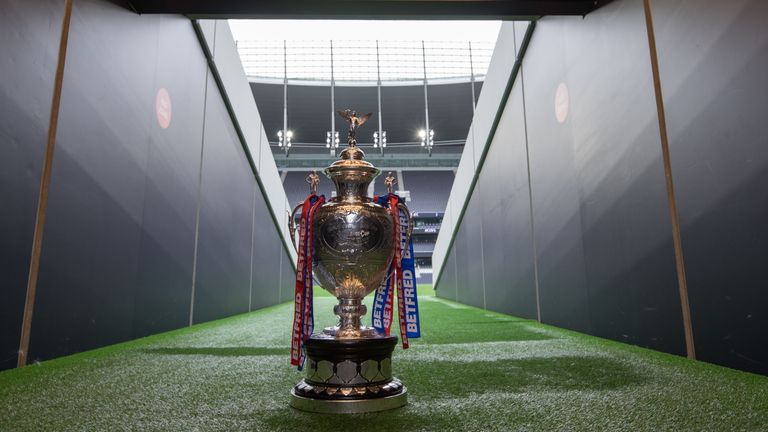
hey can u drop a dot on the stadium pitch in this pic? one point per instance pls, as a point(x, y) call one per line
point(471, 370)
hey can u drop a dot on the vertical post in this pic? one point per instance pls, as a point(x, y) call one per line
point(472, 77)
point(677, 241)
point(426, 97)
point(285, 96)
point(45, 181)
point(378, 88)
point(333, 105)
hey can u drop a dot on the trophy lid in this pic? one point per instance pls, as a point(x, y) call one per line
point(351, 174)
point(352, 156)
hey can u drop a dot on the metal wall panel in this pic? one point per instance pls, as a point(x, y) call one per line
point(713, 59)
point(222, 284)
point(601, 224)
point(469, 261)
point(556, 200)
point(167, 239)
point(499, 71)
point(287, 279)
point(90, 255)
point(118, 252)
point(625, 217)
point(506, 216)
point(267, 251)
point(612, 178)
point(27, 66)
point(448, 287)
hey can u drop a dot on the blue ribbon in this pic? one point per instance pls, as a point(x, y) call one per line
point(413, 323)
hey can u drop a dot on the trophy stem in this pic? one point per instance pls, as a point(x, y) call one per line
point(350, 312)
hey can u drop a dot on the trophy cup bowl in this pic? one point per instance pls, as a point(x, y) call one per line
point(353, 240)
point(349, 366)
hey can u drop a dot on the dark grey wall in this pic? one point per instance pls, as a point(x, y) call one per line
point(507, 237)
point(119, 252)
point(601, 228)
point(27, 65)
point(713, 59)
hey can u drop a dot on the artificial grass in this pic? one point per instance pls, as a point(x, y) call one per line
point(472, 370)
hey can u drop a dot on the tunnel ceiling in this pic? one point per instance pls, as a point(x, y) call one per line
point(376, 9)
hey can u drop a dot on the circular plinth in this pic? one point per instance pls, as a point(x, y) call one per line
point(349, 376)
point(351, 406)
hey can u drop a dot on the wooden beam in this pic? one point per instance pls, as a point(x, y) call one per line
point(45, 181)
point(676, 238)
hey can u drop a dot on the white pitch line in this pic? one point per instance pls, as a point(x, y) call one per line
point(448, 303)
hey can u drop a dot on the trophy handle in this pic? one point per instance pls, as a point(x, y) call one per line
point(292, 225)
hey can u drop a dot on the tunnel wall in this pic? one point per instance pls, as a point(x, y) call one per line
point(148, 228)
point(566, 219)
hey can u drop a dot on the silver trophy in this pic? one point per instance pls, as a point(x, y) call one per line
point(349, 366)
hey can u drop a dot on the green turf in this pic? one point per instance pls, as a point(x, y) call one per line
point(472, 370)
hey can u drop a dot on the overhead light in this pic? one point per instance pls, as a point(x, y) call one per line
point(284, 139)
point(331, 142)
point(380, 141)
point(427, 142)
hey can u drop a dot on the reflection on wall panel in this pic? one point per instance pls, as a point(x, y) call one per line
point(605, 135)
point(713, 59)
point(27, 66)
point(166, 252)
point(556, 206)
point(222, 284)
point(506, 217)
point(90, 256)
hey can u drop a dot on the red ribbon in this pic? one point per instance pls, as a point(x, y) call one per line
point(398, 270)
point(302, 308)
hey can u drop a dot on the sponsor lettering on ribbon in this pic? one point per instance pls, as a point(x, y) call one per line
point(303, 314)
point(401, 279)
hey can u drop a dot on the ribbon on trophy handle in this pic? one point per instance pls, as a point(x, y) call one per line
point(303, 314)
point(402, 274)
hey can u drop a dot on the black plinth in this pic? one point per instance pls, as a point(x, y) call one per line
point(352, 375)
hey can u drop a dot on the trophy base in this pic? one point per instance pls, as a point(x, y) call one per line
point(354, 406)
point(349, 376)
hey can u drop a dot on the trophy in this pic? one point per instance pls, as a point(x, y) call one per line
point(350, 244)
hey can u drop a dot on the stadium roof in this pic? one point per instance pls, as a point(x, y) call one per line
point(313, 78)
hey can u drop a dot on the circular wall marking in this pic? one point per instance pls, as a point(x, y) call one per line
point(163, 108)
point(562, 101)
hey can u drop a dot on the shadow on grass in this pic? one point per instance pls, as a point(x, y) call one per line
point(451, 381)
point(560, 373)
point(479, 331)
point(220, 351)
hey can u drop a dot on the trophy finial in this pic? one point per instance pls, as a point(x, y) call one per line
point(351, 117)
point(390, 182)
point(313, 179)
